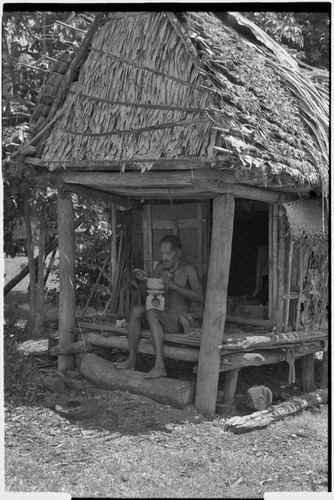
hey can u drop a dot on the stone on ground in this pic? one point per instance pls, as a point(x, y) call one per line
point(54, 383)
point(259, 397)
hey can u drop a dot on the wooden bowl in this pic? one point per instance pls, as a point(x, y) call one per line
point(155, 283)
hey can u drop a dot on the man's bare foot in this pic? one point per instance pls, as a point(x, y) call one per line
point(156, 372)
point(128, 364)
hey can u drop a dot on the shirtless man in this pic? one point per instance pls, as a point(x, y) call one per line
point(182, 286)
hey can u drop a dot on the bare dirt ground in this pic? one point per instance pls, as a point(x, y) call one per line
point(135, 447)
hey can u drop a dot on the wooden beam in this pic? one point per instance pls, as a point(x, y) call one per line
point(98, 194)
point(215, 304)
point(265, 356)
point(66, 278)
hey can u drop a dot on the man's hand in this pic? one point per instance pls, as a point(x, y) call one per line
point(140, 274)
point(168, 283)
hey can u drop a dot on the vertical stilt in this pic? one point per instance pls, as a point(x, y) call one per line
point(308, 373)
point(231, 379)
point(66, 278)
point(215, 304)
point(324, 371)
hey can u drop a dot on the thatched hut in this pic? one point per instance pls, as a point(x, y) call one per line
point(209, 129)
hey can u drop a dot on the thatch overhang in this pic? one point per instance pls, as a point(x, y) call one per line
point(159, 91)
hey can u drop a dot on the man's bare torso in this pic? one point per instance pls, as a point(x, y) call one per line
point(173, 300)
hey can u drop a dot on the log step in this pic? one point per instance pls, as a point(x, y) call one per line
point(102, 373)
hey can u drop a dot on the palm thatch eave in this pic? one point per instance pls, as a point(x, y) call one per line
point(241, 125)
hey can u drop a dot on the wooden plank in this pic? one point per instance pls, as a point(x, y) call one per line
point(66, 317)
point(230, 385)
point(265, 356)
point(307, 373)
point(215, 304)
point(145, 346)
point(268, 323)
point(98, 194)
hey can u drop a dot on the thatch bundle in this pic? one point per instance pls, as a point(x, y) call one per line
point(159, 85)
point(131, 100)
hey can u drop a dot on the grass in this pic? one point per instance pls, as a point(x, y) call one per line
point(136, 447)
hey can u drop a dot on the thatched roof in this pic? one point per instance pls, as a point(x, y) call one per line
point(197, 87)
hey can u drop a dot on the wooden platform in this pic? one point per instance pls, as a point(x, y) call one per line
point(242, 347)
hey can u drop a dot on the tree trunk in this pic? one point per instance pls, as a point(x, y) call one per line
point(31, 262)
point(39, 311)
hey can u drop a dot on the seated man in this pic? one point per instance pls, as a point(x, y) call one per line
point(182, 286)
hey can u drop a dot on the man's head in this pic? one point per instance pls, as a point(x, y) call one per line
point(170, 250)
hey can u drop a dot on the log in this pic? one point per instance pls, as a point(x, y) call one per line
point(181, 353)
point(215, 304)
point(102, 373)
point(259, 419)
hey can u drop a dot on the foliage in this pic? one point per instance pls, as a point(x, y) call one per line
point(92, 248)
point(31, 41)
point(304, 34)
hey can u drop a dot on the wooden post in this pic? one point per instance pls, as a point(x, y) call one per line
point(270, 262)
point(148, 239)
point(281, 273)
point(113, 254)
point(288, 283)
point(200, 240)
point(66, 278)
point(275, 260)
point(215, 304)
point(324, 370)
point(308, 373)
point(300, 286)
point(231, 379)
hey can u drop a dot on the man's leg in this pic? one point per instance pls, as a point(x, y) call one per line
point(136, 317)
point(156, 320)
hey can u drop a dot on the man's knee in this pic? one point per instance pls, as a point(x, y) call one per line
point(138, 312)
point(152, 314)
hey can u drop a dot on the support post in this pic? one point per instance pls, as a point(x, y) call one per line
point(308, 373)
point(231, 380)
point(66, 278)
point(324, 371)
point(215, 304)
